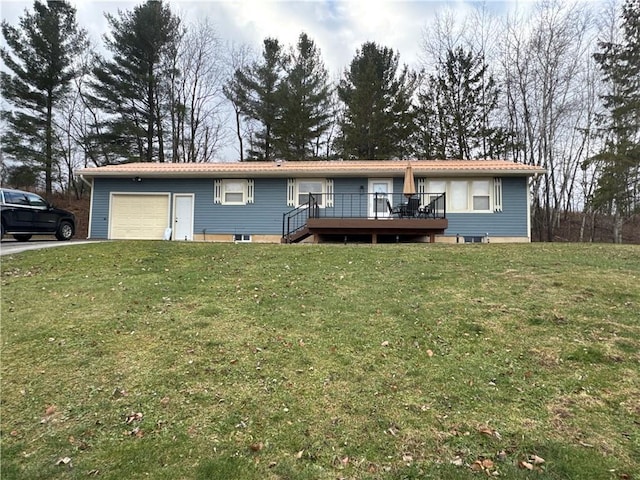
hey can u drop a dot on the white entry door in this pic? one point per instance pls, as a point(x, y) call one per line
point(380, 192)
point(182, 217)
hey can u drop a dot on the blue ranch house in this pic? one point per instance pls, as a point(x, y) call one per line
point(313, 201)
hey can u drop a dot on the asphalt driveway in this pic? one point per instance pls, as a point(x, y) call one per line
point(11, 247)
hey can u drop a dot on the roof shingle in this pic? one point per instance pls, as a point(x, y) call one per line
point(347, 168)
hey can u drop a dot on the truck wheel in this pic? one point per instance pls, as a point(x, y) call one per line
point(65, 231)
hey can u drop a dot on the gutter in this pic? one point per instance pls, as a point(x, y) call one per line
point(301, 173)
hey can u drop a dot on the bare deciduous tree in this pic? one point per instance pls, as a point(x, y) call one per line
point(238, 58)
point(197, 116)
point(543, 60)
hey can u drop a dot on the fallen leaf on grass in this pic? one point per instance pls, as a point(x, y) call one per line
point(536, 460)
point(51, 409)
point(134, 417)
point(487, 463)
point(525, 465)
point(483, 465)
point(490, 432)
point(430, 353)
point(528, 466)
point(64, 461)
point(136, 432)
point(299, 454)
point(385, 343)
point(119, 392)
point(256, 447)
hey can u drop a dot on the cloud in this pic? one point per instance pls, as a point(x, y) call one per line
point(339, 28)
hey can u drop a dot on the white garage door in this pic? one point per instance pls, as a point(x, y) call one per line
point(138, 217)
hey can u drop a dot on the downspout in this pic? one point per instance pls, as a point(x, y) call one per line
point(90, 185)
point(529, 197)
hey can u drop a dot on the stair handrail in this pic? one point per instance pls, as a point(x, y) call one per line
point(300, 215)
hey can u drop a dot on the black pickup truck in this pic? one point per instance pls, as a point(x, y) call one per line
point(25, 214)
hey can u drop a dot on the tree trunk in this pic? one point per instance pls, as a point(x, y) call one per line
point(151, 115)
point(583, 222)
point(48, 161)
point(617, 228)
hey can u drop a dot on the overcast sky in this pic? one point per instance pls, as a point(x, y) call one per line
point(338, 27)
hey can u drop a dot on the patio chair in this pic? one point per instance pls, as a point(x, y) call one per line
point(394, 210)
point(427, 210)
point(411, 207)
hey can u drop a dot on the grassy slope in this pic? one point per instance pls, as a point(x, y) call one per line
point(268, 361)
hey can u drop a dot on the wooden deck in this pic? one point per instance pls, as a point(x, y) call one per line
point(349, 218)
point(397, 229)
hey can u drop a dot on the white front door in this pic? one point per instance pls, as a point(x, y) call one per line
point(380, 192)
point(182, 217)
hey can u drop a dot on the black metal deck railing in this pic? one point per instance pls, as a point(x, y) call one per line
point(364, 205)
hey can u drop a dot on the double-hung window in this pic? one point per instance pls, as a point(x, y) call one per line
point(458, 196)
point(307, 188)
point(299, 190)
point(481, 201)
point(434, 189)
point(233, 191)
point(474, 195)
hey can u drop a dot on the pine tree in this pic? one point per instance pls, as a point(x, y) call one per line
point(619, 185)
point(378, 119)
point(256, 89)
point(455, 110)
point(40, 54)
point(305, 100)
point(129, 88)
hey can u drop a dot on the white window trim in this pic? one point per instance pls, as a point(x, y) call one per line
point(242, 238)
point(495, 194)
point(293, 193)
point(489, 194)
point(248, 189)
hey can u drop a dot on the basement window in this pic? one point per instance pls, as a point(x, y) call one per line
point(241, 238)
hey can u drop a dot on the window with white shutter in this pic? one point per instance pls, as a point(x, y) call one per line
point(497, 194)
point(233, 191)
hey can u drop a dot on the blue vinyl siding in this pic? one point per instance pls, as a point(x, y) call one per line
point(511, 222)
point(264, 216)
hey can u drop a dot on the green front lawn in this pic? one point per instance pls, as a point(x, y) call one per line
point(169, 360)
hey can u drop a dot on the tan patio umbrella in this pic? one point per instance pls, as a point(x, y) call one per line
point(409, 188)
